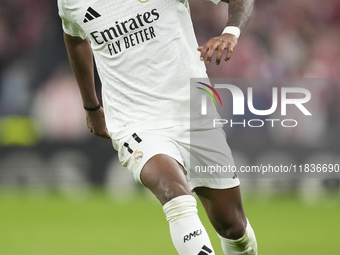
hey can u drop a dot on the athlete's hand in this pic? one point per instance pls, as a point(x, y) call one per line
point(224, 42)
point(96, 123)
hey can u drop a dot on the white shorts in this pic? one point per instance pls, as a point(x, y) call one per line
point(204, 154)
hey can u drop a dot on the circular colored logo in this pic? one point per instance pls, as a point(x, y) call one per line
point(143, 1)
point(138, 155)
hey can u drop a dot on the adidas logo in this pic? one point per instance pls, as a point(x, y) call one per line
point(90, 15)
point(205, 251)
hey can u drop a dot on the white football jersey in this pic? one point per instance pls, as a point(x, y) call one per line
point(145, 52)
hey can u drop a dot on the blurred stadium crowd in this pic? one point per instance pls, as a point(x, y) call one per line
point(40, 103)
point(284, 39)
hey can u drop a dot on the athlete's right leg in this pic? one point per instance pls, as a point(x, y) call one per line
point(164, 176)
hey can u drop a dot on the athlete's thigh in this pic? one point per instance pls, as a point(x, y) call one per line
point(164, 176)
point(154, 161)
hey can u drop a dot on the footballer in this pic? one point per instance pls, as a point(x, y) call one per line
point(146, 52)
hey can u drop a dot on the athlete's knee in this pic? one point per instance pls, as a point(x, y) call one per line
point(231, 229)
point(168, 191)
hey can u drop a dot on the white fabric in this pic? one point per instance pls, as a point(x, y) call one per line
point(187, 232)
point(215, 1)
point(180, 207)
point(232, 30)
point(246, 245)
point(146, 69)
point(191, 148)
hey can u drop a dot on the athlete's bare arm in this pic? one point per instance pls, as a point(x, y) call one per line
point(81, 60)
point(239, 15)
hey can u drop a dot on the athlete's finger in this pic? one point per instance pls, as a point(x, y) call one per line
point(219, 53)
point(230, 50)
point(206, 48)
point(213, 47)
point(200, 48)
point(203, 50)
point(101, 133)
point(106, 134)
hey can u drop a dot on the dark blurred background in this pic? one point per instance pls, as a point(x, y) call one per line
point(44, 142)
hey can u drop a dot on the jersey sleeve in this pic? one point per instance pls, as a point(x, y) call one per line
point(69, 27)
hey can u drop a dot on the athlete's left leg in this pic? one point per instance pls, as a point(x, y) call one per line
point(225, 211)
